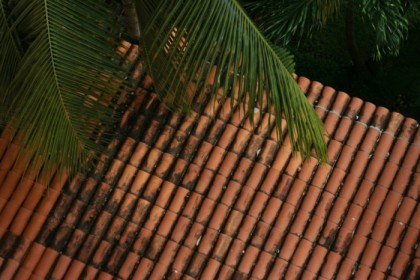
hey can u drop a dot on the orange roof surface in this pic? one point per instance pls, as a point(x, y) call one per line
point(219, 198)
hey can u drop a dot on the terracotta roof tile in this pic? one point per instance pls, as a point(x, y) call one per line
point(278, 270)
point(380, 228)
point(247, 228)
point(363, 272)
point(399, 265)
point(260, 234)
point(261, 268)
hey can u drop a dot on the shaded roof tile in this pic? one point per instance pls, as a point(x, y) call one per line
point(270, 181)
point(293, 272)
point(349, 186)
point(179, 200)
point(342, 130)
point(302, 253)
point(384, 259)
point(233, 222)
point(191, 176)
point(377, 199)
point(193, 205)
point(338, 210)
point(294, 165)
point(190, 148)
point(215, 132)
point(242, 170)
point(296, 192)
point(362, 196)
point(396, 233)
point(164, 138)
point(139, 182)
point(352, 217)
point(399, 265)
point(405, 210)
point(206, 211)
point(10, 269)
point(220, 214)
point(283, 186)
point(226, 272)
point(363, 272)
point(391, 203)
point(221, 247)
point(360, 162)
point(167, 223)
point(356, 134)
point(178, 171)
point(196, 265)
point(370, 253)
point(204, 181)
point(308, 169)
point(314, 91)
point(271, 210)
point(247, 228)
point(257, 174)
point(282, 157)
point(203, 153)
point(356, 247)
point(211, 269)
point(331, 265)
point(262, 265)
point(328, 234)
point(235, 253)
point(335, 181)
point(346, 269)
point(310, 199)
point(317, 259)
point(144, 268)
point(245, 198)
point(249, 259)
point(324, 205)
point(380, 228)
point(228, 136)
point(410, 240)
point(152, 160)
point(164, 166)
point(366, 222)
point(289, 246)
point(260, 234)
point(342, 240)
point(254, 147)
point(215, 158)
point(278, 269)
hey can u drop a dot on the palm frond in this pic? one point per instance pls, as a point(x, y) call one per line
point(61, 95)
point(10, 55)
point(187, 41)
point(284, 20)
point(389, 22)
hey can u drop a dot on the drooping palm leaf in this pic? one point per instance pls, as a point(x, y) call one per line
point(390, 23)
point(185, 40)
point(61, 96)
point(10, 54)
point(283, 20)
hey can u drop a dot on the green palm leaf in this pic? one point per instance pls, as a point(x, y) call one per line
point(390, 23)
point(185, 40)
point(10, 55)
point(61, 95)
point(283, 20)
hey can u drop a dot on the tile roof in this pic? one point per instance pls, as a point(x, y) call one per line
point(219, 198)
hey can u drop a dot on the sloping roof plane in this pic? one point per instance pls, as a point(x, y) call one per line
point(211, 196)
